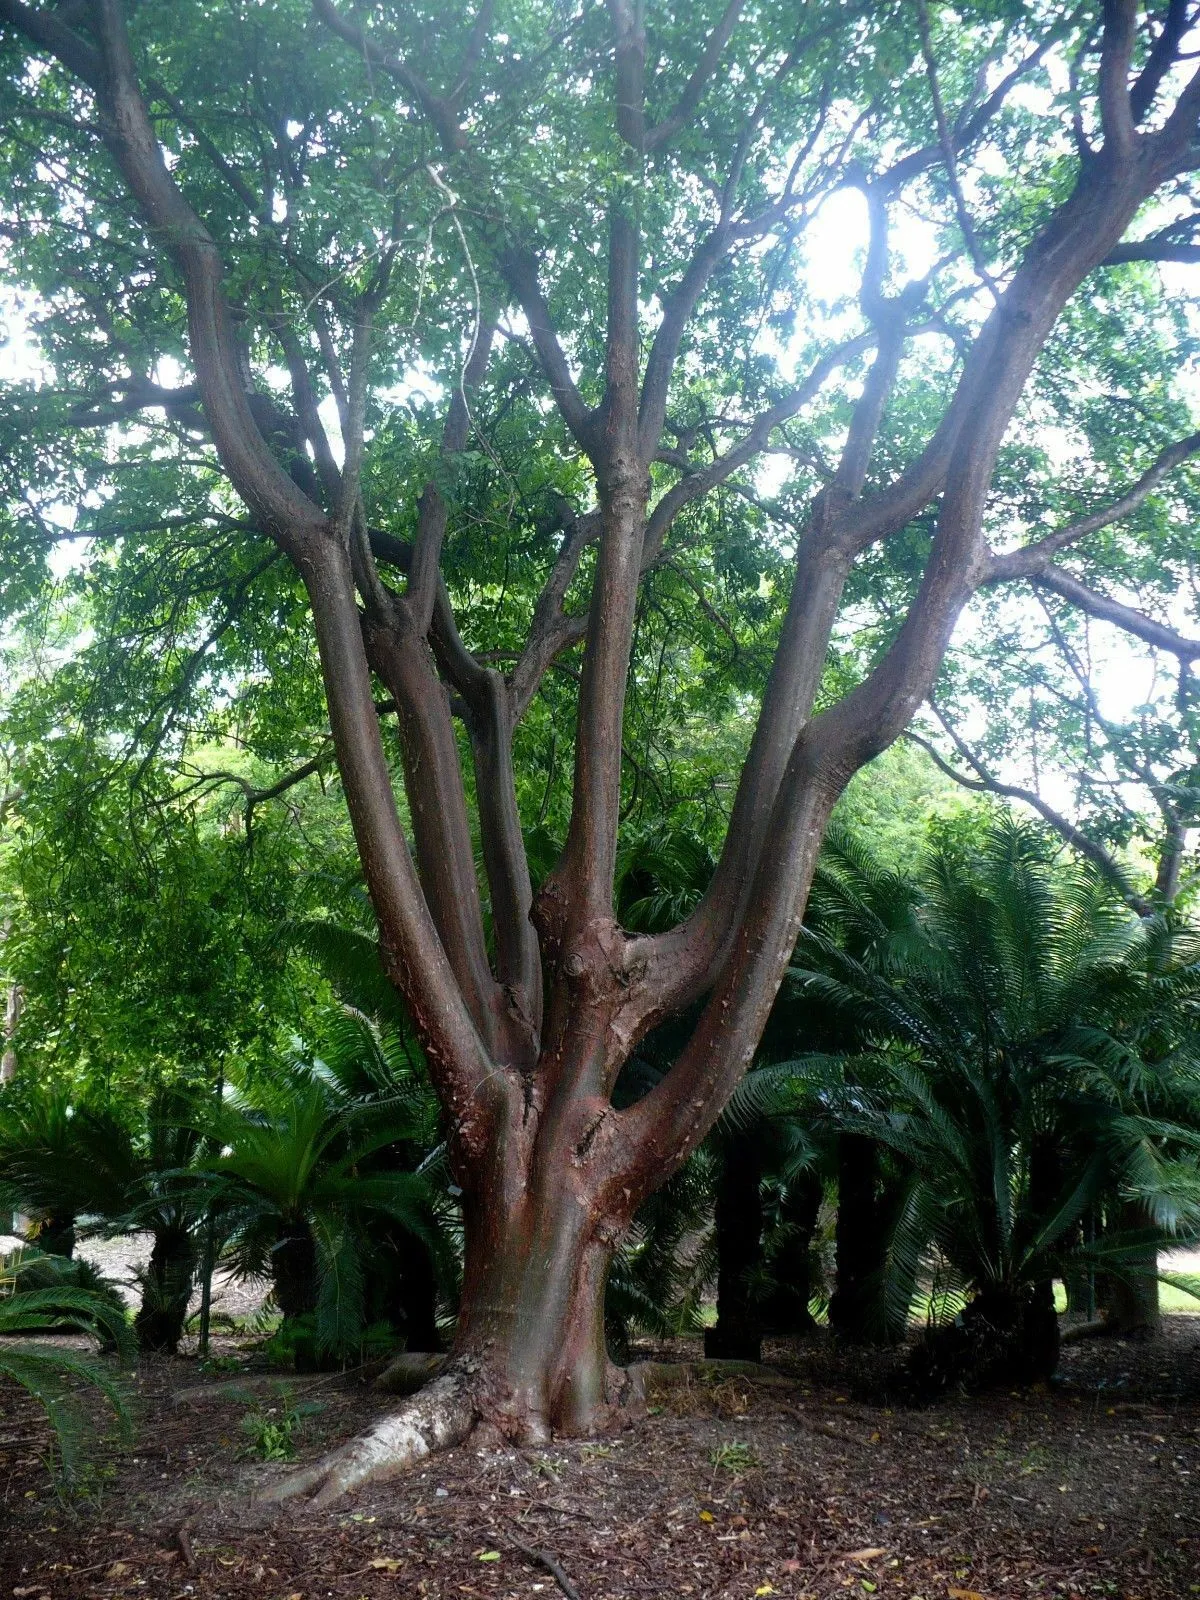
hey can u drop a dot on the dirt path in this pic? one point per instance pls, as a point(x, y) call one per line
point(805, 1493)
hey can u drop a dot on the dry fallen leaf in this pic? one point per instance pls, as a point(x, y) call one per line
point(386, 1564)
point(117, 1570)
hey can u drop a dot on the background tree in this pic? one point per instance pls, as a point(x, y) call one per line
point(612, 222)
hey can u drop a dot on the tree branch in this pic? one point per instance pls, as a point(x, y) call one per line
point(440, 112)
point(1162, 57)
point(1032, 559)
point(752, 443)
point(986, 783)
point(582, 882)
point(1116, 57)
point(1122, 616)
point(663, 132)
point(433, 511)
point(414, 954)
point(520, 272)
point(48, 32)
point(552, 631)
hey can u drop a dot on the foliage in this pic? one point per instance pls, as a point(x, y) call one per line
point(271, 1430)
point(295, 1192)
point(54, 1376)
point(1024, 1047)
point(108, 1168)
point(143, 928)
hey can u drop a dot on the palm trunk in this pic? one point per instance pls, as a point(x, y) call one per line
point(1045, 1186)
point(166, 1290)
point(414, 1299)
point(294, 1271)
point(1130, 1301)
point(56, 1236)
point(737, 1335)
point(855, 1311)
point(791, 1263)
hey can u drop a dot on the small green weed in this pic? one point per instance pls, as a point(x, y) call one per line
point(213, 1366)
point(271, 1432)
point(733, 1457)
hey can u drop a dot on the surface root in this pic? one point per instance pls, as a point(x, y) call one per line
point(437, 1418)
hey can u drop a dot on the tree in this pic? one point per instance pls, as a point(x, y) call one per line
point(619, 200)
point(111, 1168)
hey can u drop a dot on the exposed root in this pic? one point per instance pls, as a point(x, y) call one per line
point(446, 1410)
point(1077, 1332)
point(437, 1418)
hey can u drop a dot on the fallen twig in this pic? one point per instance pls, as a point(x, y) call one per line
point(543, 1558)
point(184, 1540)
point(817, 1424)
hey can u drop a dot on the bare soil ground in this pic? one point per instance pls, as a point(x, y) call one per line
point(733, 1490)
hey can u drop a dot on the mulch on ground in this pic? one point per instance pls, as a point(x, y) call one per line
point(732, 1490)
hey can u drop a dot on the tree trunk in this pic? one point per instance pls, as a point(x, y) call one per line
point(166, 1290)
point(12, 1016)
point(1130, 1301)
point(737, 1335)
point(529, 1356)
point(532, 1316)
point(855, 1311)
point(407, 1296)
point(791, 1264)
point(294, 1271)
point(1046, 1182)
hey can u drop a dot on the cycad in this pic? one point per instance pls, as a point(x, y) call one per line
point(298, 1190)
point(372, 1052)
point(161, 1200)
point(1003, 1055)
point(51, 1375)
point(65, 1158)
point(60, 1158)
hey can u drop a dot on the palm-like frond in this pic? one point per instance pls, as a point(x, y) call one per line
point(1010, 1007)
point(349, 958)
point(51, 1375)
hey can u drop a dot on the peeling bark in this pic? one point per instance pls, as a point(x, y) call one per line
point(438, 1417)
